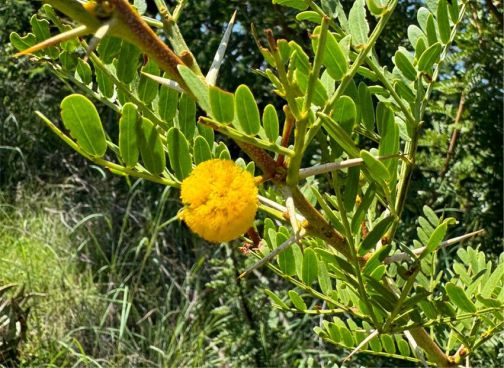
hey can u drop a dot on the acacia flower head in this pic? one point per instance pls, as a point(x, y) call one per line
point(220, 200)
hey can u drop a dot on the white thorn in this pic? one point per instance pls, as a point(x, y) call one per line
point(165, 82)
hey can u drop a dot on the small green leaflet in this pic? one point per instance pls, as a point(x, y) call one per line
point(270, 123)
point(151, 147)
point(80, 117)
point(178, 152)
point(197, 85)
point(222, 104)
point(128, 143)
point(359, 27)
point(247, 110)
point(334, 58)
point(459, 298)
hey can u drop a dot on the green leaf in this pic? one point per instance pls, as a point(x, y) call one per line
point(367, 107)
point(345, 113)
point(109, 48)
point(275, 299)
point(187, 116)
point(429, 58)
point(454, 10)
point(323, 278)
point(297, 300)
point(127, 62)
point(222, 104)
point(436, 237)
point(105, 85)
point(247, 110)
point(167, 104)
point(375, 235)
point(402, 61)
point(84, 71)
point(151, 147)
point(351, 187)
point(360, 212)
point(376, 259)
point(178, 152)
point(430, 215)
point(359, 27)
point(414, 34)
point(443, 22)
point(270, 123)
point(376, 7)
point(493, 281)
point(22, 43)
point(310, 266)
point(148, 88)
point(296, 4)
point(201, 150)
point(80, 117)
point(128, 143)
point(388, 343)
point(377, 169)
point(334, 59)
point(431, 30)
point(310, 16)
point(286, 260)
point(340, 136)
point(459, 298)
point(197, 85)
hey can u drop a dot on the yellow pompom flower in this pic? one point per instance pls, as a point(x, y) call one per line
point(220, 200)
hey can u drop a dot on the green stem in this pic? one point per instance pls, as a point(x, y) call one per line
point(353, 254)
point(312, 132)
point(236, 135)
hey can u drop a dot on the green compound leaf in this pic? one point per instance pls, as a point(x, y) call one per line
point(197, 85)
point(459, 298)
point(247, 110)
point(178, 152)
point(297, 300)
point(270, 123)
point(402, 61)
point(359, 27)
point(443, 21)
point(128, 142)
point(334, 58)
point(151, 147)
point(310, 266)
point(82, 120)
point(429, 58)
point(222, 104)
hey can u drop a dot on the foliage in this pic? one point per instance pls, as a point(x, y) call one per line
point(339, 246)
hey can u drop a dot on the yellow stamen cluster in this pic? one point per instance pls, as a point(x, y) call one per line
point(220, 200)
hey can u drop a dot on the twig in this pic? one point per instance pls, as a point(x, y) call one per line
point(454, 137)
point(400, 257)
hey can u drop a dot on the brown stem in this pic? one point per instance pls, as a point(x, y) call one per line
point(454, 137)
point(286, 133)
point(318, 225)
point(138, 32)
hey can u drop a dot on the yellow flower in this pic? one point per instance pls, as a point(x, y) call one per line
point(220, 200)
